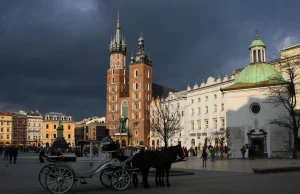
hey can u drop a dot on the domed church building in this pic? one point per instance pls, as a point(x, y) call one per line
point(248, 114)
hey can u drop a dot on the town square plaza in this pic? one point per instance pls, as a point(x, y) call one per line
point(223, 176)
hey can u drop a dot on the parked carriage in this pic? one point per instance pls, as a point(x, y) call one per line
point(64, 171)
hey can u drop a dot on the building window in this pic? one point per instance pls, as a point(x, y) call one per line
point(113, 108)
point(222, 107)
point(7, 130)
point(192, 112)
point(136, 116)
point(113, 117)
point(113, 89)
point(182, 114)
point(69, 118)
point(148, 86)
point(215, 108)
point(148, 74)
point(206, 98)
point(136, 73)
point(112, 80)
point(192, 101)
point(215, 123)
point(192, 125)
point(113, 71)
point(69, 126)
point(136, 106)
point(7, 137)
point(199, 100)
point(54, 126)
point(206, 109)
point(222, 123)
point(215, 96)
point(113, 99)
point(136, 86)
point(206, 123)
point(28, 137)
point(199, 124)
point(69, 136)
point(124, 80)
point(136, 96)
point(47, 135)
point(199, 110)
point(124, 108)
point(54, 135)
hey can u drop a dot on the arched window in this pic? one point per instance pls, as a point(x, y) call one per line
point(124, 108)
point(136, 73)
point(112, 80)
point(136, 86)
point(136, 96)
point(254, 56)
point(259, 55)
point(263, 55)
point(113, 98)
point(113, 71)
point(113, 89)
point(136, 106)
point(113, 117)
point(148, 74)
point(113, 108)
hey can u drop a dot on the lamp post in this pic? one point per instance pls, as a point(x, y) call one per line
point(123, 120)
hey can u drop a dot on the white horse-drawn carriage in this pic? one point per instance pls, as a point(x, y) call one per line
point(64, 171)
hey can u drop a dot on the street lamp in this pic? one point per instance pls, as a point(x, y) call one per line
point(123, 120)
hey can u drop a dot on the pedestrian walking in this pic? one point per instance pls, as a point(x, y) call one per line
point(5, 153)
point(13, 154)
point(213, 154)
point(204, 158)
point(243, 150)
point(42, 155)
point(250, 153)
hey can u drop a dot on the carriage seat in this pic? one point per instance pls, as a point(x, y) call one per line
point(61, 158)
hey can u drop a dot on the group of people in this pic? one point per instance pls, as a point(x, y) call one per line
point(10, 153)
point(251, 152)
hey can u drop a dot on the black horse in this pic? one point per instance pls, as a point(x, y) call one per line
point(169, 155)
point(162, 161)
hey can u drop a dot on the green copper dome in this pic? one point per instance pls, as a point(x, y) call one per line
point(258, 73)
point(257, 42)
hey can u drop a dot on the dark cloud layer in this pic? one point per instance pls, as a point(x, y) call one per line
point(54, 54)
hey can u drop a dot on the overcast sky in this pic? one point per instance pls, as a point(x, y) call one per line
point(54, 53)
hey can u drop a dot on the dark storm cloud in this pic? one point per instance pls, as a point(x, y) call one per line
point(54, 54)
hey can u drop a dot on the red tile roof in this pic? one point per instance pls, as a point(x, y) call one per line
point(5, 113)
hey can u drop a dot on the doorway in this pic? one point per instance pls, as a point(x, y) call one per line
point(258, 145)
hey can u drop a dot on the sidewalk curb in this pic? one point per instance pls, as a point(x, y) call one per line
point(275, 170)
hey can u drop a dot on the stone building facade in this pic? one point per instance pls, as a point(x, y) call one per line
point(6, 123)
point(34, 128)
point(129, 92)
point(50, 124)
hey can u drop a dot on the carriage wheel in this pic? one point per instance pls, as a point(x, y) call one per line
point(120, 179)
point(59, 180)
point(105, 176)
point(42, 175)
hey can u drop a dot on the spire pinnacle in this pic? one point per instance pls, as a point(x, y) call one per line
point(118, 20)
point(256, 34)
point(141, 33)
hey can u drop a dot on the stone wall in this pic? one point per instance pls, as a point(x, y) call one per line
point(236, 140)
point(279, 139)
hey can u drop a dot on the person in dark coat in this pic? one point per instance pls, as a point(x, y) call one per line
point(250, 153)
point(13, 153)
point(41, 155)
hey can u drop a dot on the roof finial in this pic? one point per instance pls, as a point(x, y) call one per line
point(256, 34)
point(118, 20)
point(141, 32)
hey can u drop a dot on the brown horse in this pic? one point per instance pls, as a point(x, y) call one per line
point(162, 161)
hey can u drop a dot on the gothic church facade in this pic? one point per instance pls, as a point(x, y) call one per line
point(130, 92)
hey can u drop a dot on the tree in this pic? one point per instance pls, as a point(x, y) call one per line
point(164, 120)
point(286, 94)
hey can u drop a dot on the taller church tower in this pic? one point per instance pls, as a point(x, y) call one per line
point(117, 78)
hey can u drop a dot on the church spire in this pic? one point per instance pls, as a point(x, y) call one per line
point(118, 45)
point(141, 56)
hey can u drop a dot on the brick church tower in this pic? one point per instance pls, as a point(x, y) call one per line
point(129, 93)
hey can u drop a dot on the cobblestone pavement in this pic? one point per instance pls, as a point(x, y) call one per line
point(235, 165)
point(23, 178)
